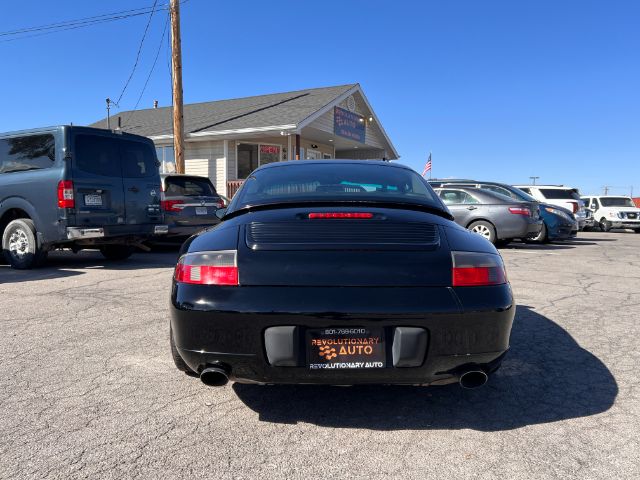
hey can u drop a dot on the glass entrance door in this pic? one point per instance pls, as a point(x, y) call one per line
point(247, 159)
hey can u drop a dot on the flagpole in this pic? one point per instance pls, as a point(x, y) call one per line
point(431, 169)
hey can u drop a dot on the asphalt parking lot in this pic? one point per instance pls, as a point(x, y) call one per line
point(88, 388)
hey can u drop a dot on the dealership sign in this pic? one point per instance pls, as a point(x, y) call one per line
point(348, 124)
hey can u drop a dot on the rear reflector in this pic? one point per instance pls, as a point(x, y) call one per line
point(208, 268)
point(520, 211)
point(318, 215)
point(472, 269)
point(171, 205)
point(65, 194)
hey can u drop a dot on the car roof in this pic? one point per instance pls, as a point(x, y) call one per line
point(338, 161)
point(480, 193)
point(550, 187)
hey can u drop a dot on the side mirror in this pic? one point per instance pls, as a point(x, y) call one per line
point(221, 212)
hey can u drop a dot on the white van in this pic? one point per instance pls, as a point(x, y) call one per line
point(612, 211)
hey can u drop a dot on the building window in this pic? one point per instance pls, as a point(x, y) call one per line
point(167, 159)
point(251, 156)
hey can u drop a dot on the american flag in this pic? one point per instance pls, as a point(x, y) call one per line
point(427, 166)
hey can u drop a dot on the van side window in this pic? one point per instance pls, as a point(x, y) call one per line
point(31, 152)
point(98, 155)
point(138, 160)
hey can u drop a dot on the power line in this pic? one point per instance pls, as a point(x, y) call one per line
point(66, 23)
point(135, 65)
point(164, 32)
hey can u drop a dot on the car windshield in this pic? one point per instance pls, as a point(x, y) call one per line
point(559, 194)
point(321, 182)
point(617, 202)
point(188, 187)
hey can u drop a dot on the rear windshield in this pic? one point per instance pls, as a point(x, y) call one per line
point(559, 194)
point(617, 202)
point(319, 182)
point(188, 187)
point(114, 157)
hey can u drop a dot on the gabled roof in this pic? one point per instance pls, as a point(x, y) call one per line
point(288, 108)
point(277, 111)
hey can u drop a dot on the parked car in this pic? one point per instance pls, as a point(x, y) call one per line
point(189, 204)
point(76, 187)
point(339, 272)
point(565, 197)
point(558, 223)
point(611, 211)
point(496, 217)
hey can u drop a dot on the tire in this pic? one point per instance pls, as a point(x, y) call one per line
point(502, 243)
point(543, 236)
point(637, 230)
point(605, 225)
point(485, 229)
point(117, 252)
point(177, 359)
point(20, 245)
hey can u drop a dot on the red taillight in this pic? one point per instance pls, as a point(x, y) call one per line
point(472, 269)
point(575, 207)
point(220, 203)
point(171, 205)
point(520, 211)
point(208, 268)
point(65, 194)
point(362, 215)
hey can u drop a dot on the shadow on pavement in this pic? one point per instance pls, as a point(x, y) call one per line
point(546, 377)
point(65, 263)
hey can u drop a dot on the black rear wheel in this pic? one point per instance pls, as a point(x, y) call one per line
point(117, 252)
point(20, 244)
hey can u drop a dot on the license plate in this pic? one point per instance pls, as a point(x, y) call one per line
point(345, 348)
point(93, 199)
point(201, 210)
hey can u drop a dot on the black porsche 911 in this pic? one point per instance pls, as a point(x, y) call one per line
point(339, 272)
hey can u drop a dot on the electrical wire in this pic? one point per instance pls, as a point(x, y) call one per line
point(66, 23)
point(164, 32)
point(135, 65)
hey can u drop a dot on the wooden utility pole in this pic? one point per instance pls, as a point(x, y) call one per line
point(176, 72)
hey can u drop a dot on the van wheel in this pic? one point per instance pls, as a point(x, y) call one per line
point(20, 246)
point(117, 252)
point(177, 359)
point(605, 225)
point(485, 229)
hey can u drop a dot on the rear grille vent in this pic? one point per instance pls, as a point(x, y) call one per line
point(328, 235)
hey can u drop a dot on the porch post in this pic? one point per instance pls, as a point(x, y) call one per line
point(297, 146)
point(225, 167)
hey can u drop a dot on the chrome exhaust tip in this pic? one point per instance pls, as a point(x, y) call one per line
point(473, 379)
point(215, 376)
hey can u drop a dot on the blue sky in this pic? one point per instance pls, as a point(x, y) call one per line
point(497, 90)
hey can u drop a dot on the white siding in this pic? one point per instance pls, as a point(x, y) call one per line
point(196, 166)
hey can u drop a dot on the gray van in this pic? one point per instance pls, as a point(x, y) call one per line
point(76, 187)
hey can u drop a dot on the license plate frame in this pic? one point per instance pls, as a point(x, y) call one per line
point(353, 348)
point(93, 199)
point(201, 211)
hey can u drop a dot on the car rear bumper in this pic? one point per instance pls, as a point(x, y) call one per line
point(182, 231)
point(519, 227)
point(226, 326)
point(112, 231)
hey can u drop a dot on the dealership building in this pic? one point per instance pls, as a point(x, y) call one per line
point(226, 139)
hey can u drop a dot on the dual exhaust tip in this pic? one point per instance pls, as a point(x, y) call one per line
point(218, 376)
